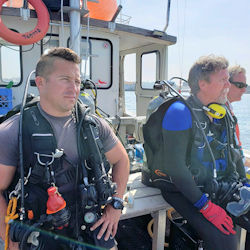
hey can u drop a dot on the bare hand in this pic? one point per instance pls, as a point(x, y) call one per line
point(109, 222)
point(13, 245)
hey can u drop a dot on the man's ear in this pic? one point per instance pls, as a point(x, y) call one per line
point(39, 81)
point(202, 84)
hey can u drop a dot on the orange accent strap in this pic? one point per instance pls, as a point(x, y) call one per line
point(11, 215)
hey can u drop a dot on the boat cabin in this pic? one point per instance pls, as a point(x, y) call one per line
point(115, 56)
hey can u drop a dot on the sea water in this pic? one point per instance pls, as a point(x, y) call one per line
point(241, 110)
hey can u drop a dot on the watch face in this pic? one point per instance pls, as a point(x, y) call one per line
point(117, 205)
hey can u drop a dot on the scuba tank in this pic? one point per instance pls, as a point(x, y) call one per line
point(155, 103)
point(154, 133)
point(88, 100)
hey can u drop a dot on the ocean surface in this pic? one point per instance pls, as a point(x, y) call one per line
point(241, 110)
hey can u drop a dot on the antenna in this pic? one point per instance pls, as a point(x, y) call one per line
point(168, 14)
point(159, 33)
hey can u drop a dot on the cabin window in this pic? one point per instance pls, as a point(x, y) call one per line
point(97, 62)
point(129, 83)
point(149, 69)
point(101, 63)
point(49, 41)
point(85, 59)
point(10, 69)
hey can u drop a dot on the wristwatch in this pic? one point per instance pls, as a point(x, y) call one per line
point(117, 203)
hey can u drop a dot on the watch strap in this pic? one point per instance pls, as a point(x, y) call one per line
point(118, 199)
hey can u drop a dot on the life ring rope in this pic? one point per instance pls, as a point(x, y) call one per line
point(32, 36)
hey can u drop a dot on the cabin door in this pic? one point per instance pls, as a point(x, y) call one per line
point(151, 65)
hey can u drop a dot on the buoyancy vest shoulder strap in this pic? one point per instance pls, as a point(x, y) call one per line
point(203, 119)
point(88, 119)
point(91, 144)
point(95, 161)
point(38, 136)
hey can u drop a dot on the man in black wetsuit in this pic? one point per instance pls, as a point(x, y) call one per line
point(179, 158)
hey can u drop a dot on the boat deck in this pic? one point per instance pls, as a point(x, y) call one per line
point(148, 200)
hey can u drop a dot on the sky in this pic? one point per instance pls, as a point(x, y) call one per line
point(202, 27)
point(219, 27)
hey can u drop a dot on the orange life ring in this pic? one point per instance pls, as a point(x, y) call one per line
point(104, 9)
point(32, 36)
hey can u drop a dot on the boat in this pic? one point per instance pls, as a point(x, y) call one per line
point(106, 46)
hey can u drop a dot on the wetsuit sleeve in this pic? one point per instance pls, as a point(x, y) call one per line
point(176, 129)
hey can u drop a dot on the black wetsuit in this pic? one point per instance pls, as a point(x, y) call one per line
point(179, 188)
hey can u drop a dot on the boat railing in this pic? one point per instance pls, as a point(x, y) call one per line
point(123, 19)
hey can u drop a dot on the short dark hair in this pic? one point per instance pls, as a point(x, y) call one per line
point(203, 68)
point(45, 65)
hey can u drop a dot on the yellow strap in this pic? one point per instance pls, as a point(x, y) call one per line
point(93, 92)
point(11, 215)
point(98, 113)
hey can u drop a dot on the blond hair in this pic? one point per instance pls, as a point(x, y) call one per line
point(235, 70)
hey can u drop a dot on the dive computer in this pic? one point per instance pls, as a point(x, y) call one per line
point(117, 203)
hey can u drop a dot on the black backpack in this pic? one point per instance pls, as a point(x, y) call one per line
point(153, 136)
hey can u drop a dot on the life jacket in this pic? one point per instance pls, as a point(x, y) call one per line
point(198, 158)
point(40, 147)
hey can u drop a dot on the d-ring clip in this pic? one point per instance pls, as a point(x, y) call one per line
point(58, 153)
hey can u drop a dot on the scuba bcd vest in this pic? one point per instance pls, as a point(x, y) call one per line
point(85, 184)
point(220, 134)
point(198, 158)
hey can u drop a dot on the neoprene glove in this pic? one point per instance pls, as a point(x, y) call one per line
point(218, 216)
